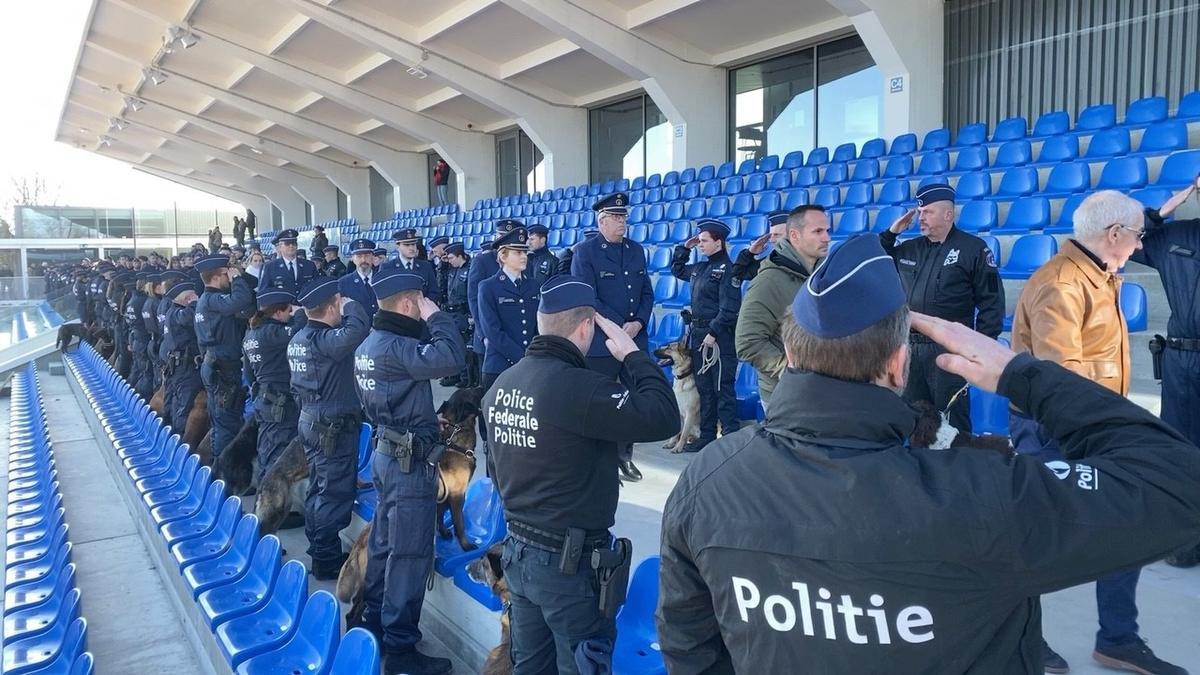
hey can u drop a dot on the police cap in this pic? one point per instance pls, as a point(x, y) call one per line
point(852, 290)
point(180, 287)
point(617, 204)
point(778, 218)
point(456, 248)
point(440, 240)
point(316, 292)
point(173, 276)
point(565, 291)
point(330, 248)
point(380, 251)
point(362, 246)
point(212, 262)
point(392, 282)
point(285, 237)
point(406, 236)
point(516, 239)
point(714, 227)
point(538, 228)
point(507, 225)
point(934, 192)
point(275, 296)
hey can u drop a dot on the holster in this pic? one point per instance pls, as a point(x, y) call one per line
point(396, 444)
point(1158, 344)
point(278, 403)
point(327, 432)
point(612, 571)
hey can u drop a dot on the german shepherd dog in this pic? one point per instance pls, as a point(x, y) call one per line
point(933, 431)
point(275, 490)
point(487, 570)
point(679, 357)
point(235, 466)
point(458, 416)
point(158, 402)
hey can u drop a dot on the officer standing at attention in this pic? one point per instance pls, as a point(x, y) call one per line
point(716, 300)
point(265, 351)
point(615, 266)
point(409, 261)
point(542, 263)
point(745, 268)
point(288, 271)
point(154, 291)
point(183, 375)
point(165, 343)
point(459, 269)
point(334, 267)
point(356, 284)
point(437, 251)
point(556, 425)
point(819, 538)
point(140, 377)
point(507, 307)
point(220, 327)
point(321, 358)
point(393, 368)
point(483, 266)
point(950, 274)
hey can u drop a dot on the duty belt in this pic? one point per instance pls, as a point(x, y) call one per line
point(1184, 344)
point(554, 541)
point(222, 364)
point(400, 445)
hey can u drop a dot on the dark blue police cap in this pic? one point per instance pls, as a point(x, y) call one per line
point(285, 237)
point(455, 248)
point(362, 246)
point(852, 290)
point(173, 276)
point(516, 238)
point(777, 218)
point(275, 296)
point(507, 225)
point(180, 287)
point(538, 228)
point(406, 236)
point(316, 292)
point(329, 248)
point(714, 227)
point(934, 192)
point(486, 246)
point(394, 281)
point(565, 291)
point(440, 240)
point(380, 251)
point(212, 262)
point(617, 204)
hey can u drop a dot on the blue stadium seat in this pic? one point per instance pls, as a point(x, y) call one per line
point(767, 202)
point(266, 628)
point(209, 544)
point(755, 182)
point(1151, 197)
point(1064, 223)
point(817, 157)
point(938, 139)
point(1135, 307)
point(658, 232)
point(310, 648)
point(865, 169)
point(1018, 182)
point(636, 649)
point(769, 163)
point(829, 196)
point(719, 206)
point(733, 185)
point(756, 226)
point(710, 188)
point(746, 167)
point(654, 180)
point(978, 216)
point(670, 193)
point(1189, 106)
point(994, 244)
point(674, 211)
point(893, 192)
point(653, 212)
point(851, 222)
point(898, 166)
point(1146, 111)
point(706, 172)
point(231, 564)
point(696, 209)
point(806, 176)
point(780, 180)
point(637, 214)
point(1052, 124)
point(1026, 214)
point(1010, 129)
point(1109, 143)
point(637, 184)
point(681, 230)
point(1062, 148)
point(52, 652)
point(934, 163)
point(682, 297)
point(248, 593)
point(357, 654)
point(904, 144)
point(725, 170)
point(971, 158)
point(688, 175)
point(876, 147)
point(859, 194)
point(974, 186)
point(835, 172)
point(1127, 173)
point(793, 159)
point(989, 412)
point(971, 134)
point(1179, 169)
point(1028, 253)
point(690, 190)
point(1096, 117)
point(485, 526)
point(1068, 178)
point(794, 197)
point(1013, 153)
point(660, 259)
point(846, 152)
point(669, 328)
point(1161, 138)
point(665, 286)
point(742, 204)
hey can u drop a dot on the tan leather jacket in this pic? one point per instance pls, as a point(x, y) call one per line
point(1070, 313)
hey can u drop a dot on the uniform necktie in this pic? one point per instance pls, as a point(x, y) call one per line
point(292, 270)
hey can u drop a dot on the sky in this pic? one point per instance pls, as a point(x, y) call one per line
point(38, 43)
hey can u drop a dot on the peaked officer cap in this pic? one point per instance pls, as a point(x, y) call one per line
point(212, 262)
point(617, 204)
point(329, 248)
point(516, 238)
point(180, 287)
point(380, 251)
point(362, 246)
point(564, 291)
point(275, 296)
point(173, 276)
point(455, 248)
point(538, 228)
point(505, 226)
point(852, 290)
point(406, 236)
point(440, 240)
point(394, 281)
point(934, 192)
point(316, 292)
point(778, 218)
point(285, 237)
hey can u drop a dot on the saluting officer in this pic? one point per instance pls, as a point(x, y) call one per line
point(139, 377)
point(437, 257)
point(393, 367)
point(154, 364)
point(745, 268)
point(288, 271)
point(321, 358)
point(265, 350)
point(165, 343)
point(819, 538)
point(183, 375)
point(408, 260)
point(615, 266)
point(716, 300)
point(220, 326)
point(507, 307)
point(458, 266)
point(334, 267)
point(950, 274)
point(356, 284)
point(542, 263)
point(555, 426)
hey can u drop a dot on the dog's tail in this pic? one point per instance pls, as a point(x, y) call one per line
point(351, 578)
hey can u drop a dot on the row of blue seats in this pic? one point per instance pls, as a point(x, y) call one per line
point(44, 633)
point(259, 608)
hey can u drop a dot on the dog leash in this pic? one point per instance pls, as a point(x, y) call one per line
point(962, 390)
point(710, 355)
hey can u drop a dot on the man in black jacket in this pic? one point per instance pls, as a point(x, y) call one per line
point(821, 539)
point(554, 427)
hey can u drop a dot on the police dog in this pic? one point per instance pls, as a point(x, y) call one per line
point(158, 402)
point(235, 465)
point(934, 431)
point(275, 490)
point(679, 357)
point(351, 577)
point(72, 334)
point(488, 570)
point(196, 426)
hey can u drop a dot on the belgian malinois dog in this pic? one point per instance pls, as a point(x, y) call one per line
point(275, 490)
point(235, 466)
point(487, 570)
point(679, 357)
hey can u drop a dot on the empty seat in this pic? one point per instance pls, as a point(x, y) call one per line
point(1189, 106)
point(755, 182)
point(231, 564)
point(710, 188)
point(768, 202)
point(1153, 197)
point(1135, 307)
point(248, 593)
point(978, 216)
point(741, 205)
point(746, 167)
point(1126, 173)
point(1179, 169)
point(756, 226)
point(269, 626)
point(850, 223)
point(636, 649)
point(904, 144)
point(934, 163)
point(674, 211)
point(973, 158)
point(898, 166)
point(1018, 182)
point(1010, 129)
point(706, 172)
point(1026, 214)
point(938, 139)
point(835, 172)
point(1068, 178)
point(846, 152)
point(1013, 153)
point(886, 216)
point(971, 134)
point(1109, 143)
point(670, 193)
point(1028, 253)
point(696, 209)
point(829, 196)
point(806, 176)
point(660, 259)
point(357, 654)
point(989, 412)
point(688, 175)
point(669, 329)
point(719, 206)
point(893, 192)
point(876, 147)
point(973, 186)
point(690, 190)
point(1059, 149)
point(733, 185)
point(658, 233)
point(817, 157)
point(1146, 111)
point(780, 180)
point(1164, 137)
point(793, 159)
point(1096, 117)
point(665, 285)
point(725, 170)
point(1052, 124)
point(793, 198)
point(310, 648)
point(865, 169)
point(859, 194)
point(769, 163)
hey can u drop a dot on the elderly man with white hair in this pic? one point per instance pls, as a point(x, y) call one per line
point(1070, 313)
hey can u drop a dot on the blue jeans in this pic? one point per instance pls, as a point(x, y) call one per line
point(1116, 594)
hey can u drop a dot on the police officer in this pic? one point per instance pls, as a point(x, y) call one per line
point(334, 267)
point(408, 260)
point(357, 283)
point(458, 268)
point(161, 342)
point(950, 274)
point(820, 538)
point(437, 253)
point(555, 426)
point(80, 290)
point(183, 374)
point(265, 351)
point(615, 266)
point(745, 268)
point(483, 266)
point(716, 300)
point(288, 271)
point(380, 256)
point(220, 326)
point(321, 358)
point(393, 367)
point(542, 263)
point(507, 305)
point(140, 377)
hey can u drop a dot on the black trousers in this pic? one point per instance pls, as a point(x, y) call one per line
point(927, 382)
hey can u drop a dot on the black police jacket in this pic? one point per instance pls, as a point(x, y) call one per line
point(716, 296)
point(1174, 250)
point(219, 329)
point(952, 279)
point(554, 427)
point(819, 543)
point(264, 351)
point(321, 358)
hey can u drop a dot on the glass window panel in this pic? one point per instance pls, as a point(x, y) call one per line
point(533, 170)
point(508, 168)
point(617, 147)
point(773, 107)
point(849, 93)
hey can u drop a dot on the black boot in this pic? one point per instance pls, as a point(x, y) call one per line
point(1189, 556)
point(629, 471)
point(1136, 657)
point(413, 662)
point(1051, 661)
point(328, 570)
point(292, 521)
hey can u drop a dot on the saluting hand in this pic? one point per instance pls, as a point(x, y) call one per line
point(975, 357)
point(619, 343)
point(427, 308)
point(632, 328)
point(759, 245)
point(901, 224)
point(691, 242)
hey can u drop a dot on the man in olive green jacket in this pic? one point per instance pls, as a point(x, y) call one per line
point(757, 338)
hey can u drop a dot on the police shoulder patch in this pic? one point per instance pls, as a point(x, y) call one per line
point(988, 257)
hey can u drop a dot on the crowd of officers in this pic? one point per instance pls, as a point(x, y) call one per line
point(559, 343)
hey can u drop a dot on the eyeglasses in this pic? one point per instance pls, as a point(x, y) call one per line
point(1140, 233)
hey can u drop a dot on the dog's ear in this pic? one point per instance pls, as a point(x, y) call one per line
point(442, 408)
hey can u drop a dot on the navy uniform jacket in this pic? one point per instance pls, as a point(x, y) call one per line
point(275, 275)
point(352, 286)
point(623, 289)
point(542, 264)
point(863, 578)
point(952, 279)
point(335, 268)
point(716, 297)
point(456, 288)
point(265, 351)
point(507, 319)
point(182, 320)
point(483, 266)
point(166, 344)
point(393, 368)
point(321, 359)
point(442, 270)
point(424, 269)
point(150, 319)
point(133, 317)
point(219, 329)
point(1174, 250)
